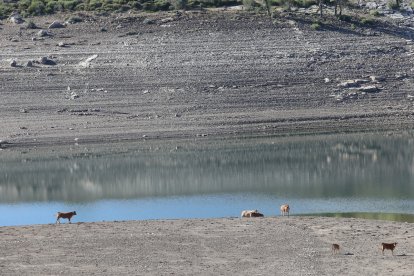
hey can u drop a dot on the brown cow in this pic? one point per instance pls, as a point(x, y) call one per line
point(68, 216)
point(335, 248)
point(284, 209)
point(389, 246)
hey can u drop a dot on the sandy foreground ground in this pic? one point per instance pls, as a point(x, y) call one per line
point(227, 246)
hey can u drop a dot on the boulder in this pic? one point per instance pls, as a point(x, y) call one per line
point(73, 20)
point(56, 25)
point(87, 62)
point(46, 61)
point(348, 84)
point(148, 21)
point(371, 5)
point(377, 78)
point(3, 143)
point(13, 63)
point(16, 19)
point(352, 83)
point(73, 95)
point(43, 33)
point(368, 89)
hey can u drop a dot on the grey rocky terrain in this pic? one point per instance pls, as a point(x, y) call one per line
point(201, 74)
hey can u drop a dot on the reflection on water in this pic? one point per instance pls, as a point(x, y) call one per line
point(334, 173)
point(377, 216)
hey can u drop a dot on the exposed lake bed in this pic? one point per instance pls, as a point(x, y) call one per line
point(283, 246)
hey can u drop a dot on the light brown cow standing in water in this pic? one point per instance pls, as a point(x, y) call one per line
point(284, 209)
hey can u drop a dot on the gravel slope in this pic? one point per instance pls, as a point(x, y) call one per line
point(198, 75)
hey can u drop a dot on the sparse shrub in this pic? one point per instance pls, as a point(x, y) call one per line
point(124, 8)
point(51, 7)
point(180, 4)
point(315, 26)
point(346, 18)
point(367, 21)
point(374, 13)
point(277, 2)
point(31, 25)
point(5, 10)
point(69, 5)
point(304, 3)
point(24, 4)
point(74, 19)
point(353, 27)
point(249, 4)
point(157, 5)
point(94, 5)
point(136, 5)
point(36, 8)
point(393, 5)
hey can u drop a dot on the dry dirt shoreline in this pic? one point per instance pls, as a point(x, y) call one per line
point(198, 75)
point(227, 246)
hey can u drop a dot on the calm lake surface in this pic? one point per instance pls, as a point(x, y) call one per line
point(322, 174)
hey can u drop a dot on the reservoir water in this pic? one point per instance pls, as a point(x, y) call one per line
point(318, 174)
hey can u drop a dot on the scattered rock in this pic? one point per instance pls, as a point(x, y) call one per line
point(31, 25)
point(22, 110)
point(371, 5)
point(410, 97)
point(61, 44)
point(348, 84)
point(43, 33)
point(73, 20)
point(145, 92)
point(166, 20)
point(148, 21)
point(377, 78)
point(327, 80)
point(73, 95)
point(46, 61)
point(29, 63)
point(13, 63)
point(87, 62)
point(56, 25)
point(401, 75)
point(15, 18)
point(352, 96)
point(3, 143)
point(368, 89)
point(352, 83)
